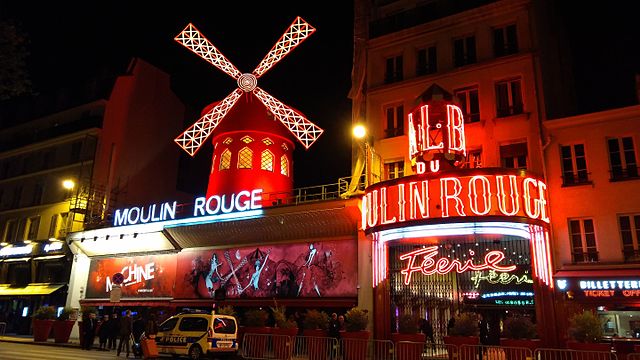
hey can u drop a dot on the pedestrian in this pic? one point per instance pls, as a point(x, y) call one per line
point(450, 325)
point(126, 327)
point(334, 332)
point(89, 326)
point(427, 330)
point(114, 330)
point(151, 328)
point(341, 323)
point(103, 332)
point(483, 327)
point(138, 328)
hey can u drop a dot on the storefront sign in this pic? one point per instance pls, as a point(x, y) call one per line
point(604, 288)
point(421, 197)
point(144, 276)
point(609, 284)
point(16, 250)
point(502, 278)
point(430, 265)
point(203, 206)
point(300, 270)
point(53, 246)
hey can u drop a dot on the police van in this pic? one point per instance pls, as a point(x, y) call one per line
point(198, 334)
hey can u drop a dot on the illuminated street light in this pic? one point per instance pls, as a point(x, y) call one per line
point(68, 184)
point(359, 131)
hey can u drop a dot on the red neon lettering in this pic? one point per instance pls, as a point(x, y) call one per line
point(383, 208)
point(473, 195)
point(527, 198)
point(428, 138)
point(445, 196)
point(598, 293)
point(631, 292)
point(401, 202)
point(455, 123)
point(513, 195)
point(419, 198)
point(430, 266)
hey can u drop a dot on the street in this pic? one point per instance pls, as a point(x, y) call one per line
point(10, 351)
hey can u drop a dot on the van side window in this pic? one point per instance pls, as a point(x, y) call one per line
point(224, 326)
point(168, 325)
point(193, 324)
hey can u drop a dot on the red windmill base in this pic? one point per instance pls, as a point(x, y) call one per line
point(251, 151)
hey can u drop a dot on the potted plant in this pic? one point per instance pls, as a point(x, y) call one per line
point(226, 310)
point(519, 332)
point(315, 331)
point(463, 332)
point(586, 331)
point(355, 338)
point(255, 321)
point(63, 325)
point(43, 322)
point(408, 341)
point(286, 330)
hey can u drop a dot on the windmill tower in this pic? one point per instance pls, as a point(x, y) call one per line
point(251, 150)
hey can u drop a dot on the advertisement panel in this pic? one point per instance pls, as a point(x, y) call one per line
point(313, 269)
point(150, 276)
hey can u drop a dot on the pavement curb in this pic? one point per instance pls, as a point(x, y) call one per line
point(16, 341)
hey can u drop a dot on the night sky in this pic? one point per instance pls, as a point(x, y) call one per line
point(70, 43)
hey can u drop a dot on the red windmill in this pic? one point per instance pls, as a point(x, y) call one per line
point(250, 150)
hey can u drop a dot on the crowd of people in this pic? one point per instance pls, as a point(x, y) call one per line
point(125, 330)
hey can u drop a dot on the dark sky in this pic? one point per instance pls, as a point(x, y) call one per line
point(71, 43)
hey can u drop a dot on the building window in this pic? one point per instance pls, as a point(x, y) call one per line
point(53, 226)
point(574, 165)
point(267, 141)
point(514, 156)
point(10, 230)
point(630, 235)
point(32, 228)
point(583, 241)
point(393, 70)
point(227, 141)
point(395, 121)
point(17, 195)
point(509, 98)
point(266, 161)
point(427, 61)
point(76, 148)
point(464, 51)
point(394, 170)
point(473, 160)
point(225, 160)
point(247, 139)
point(22, 227)
point(244, 158)
point(469, 104)
point(505, 41)
point(284, 165)
point(622, 158)
point(38, 191)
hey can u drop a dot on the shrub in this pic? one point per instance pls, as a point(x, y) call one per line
point(408, 324)
point(89, 310)
point(66, 314)
point(45, 313)
point(226, 310)
point(519, 327)
point(585, 327)
point(256, 318)
point(466, 324)
point(356, 319)
point(315, 319)
point(280, 317)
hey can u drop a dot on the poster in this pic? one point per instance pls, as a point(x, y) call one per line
point(144, 276)
point(301, 270)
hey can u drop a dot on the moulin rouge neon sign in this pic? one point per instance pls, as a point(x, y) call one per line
point(430, 265)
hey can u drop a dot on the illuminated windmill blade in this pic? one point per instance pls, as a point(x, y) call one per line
point(193, 40)
point(303, 129)
point(192, 138)
point(292, 37)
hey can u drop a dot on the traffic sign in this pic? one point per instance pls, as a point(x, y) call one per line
point(117, 278)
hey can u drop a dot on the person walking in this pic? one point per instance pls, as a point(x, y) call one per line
point(334, 332)
point(89, 325)
point(151, 327)
point(114, 330)
point(103, 332)
point(138, 328)
point(126, 327)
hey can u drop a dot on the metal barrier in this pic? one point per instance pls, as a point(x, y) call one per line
point(315, 348)
point(267, 346)
point(491, 352)
point(564, 354)
point(364, 349)
point(3, 328)
point(633, 356)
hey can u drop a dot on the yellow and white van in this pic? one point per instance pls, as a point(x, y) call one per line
point(198, 334)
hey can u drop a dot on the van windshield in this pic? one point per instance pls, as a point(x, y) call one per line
point(224, 326)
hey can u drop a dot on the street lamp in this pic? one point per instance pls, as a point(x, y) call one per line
point(68, 184)
point(360, 133)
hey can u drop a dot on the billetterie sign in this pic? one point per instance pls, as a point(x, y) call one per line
point(202, 206)
point(459, 194)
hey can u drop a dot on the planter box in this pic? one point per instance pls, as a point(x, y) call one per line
point(62, 330)
point(284, 342)
point(410, 350)
point(355, 344)
point(573, 345)
point(42, 329)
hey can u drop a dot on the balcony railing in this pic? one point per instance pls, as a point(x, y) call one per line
point(628, 173)
point(393, 132)
point(584, 257)
point(510, 110)
point(631, 255)
point(576, 178)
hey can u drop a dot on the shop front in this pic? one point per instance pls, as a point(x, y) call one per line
point(613, 294)
point(33, 275)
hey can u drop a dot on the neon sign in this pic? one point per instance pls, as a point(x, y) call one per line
point(609, 284)
point(213, 205)
point(429, 265)
point(16, 250)
point(54, 246)
point(493, 277)
point(417, 198)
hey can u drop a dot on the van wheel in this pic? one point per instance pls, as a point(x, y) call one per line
point(195, 352)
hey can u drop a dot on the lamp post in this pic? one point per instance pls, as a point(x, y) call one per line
point(360, 133)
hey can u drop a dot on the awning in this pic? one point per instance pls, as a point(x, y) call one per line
point(31, 289)
point(125, 302)
point(598, 273)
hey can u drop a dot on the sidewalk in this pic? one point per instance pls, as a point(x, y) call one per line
point(28, 339)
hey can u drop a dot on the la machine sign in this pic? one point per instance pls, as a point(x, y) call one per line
point(202, 206)
point(460, 193)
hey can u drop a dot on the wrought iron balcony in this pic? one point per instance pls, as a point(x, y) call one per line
point(584, 257)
